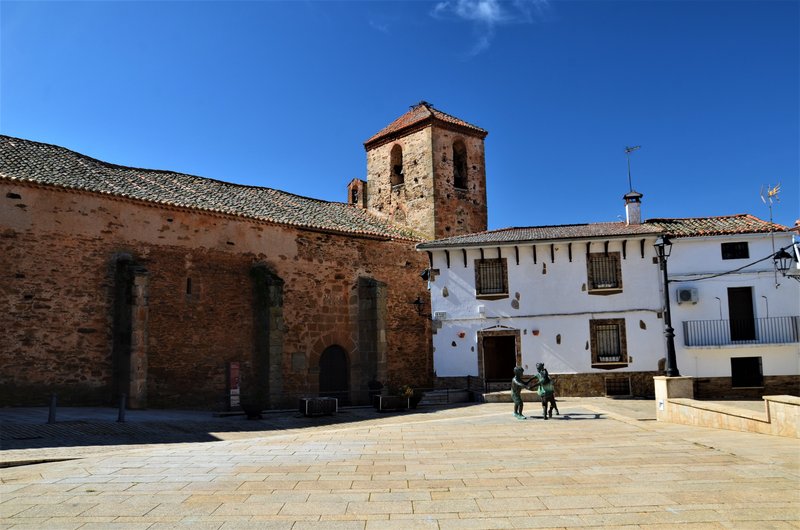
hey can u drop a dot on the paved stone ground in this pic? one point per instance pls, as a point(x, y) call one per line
point(601, 464)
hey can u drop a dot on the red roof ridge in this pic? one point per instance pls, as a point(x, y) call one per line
point(656, 219)
point(418, 115)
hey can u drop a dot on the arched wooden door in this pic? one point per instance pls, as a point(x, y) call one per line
point(334, 371)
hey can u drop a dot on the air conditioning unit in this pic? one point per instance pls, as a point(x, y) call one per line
point(439, 315)
point(687, 296)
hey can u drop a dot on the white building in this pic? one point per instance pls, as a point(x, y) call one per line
point(587, 300)
point(735, 317)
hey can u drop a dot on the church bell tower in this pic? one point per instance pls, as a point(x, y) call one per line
point(426, 171)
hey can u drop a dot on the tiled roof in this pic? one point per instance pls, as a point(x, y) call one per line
point(535, 234)
point(715, 226)
point(422, 113)
point(34, 162)
point(691, 227)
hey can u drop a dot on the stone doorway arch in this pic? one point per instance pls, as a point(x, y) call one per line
point(334, 374)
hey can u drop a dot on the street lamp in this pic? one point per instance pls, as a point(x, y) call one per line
point(663, 248)
point(418, 303)
point(782, 260)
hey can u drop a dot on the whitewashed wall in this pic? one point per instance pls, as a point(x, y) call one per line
point(697, 257)
point(549, 298)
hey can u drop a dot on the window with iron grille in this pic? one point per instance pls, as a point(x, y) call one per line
point(737, 250)
point(608, 341)
point(491, 278)
point(604, 271)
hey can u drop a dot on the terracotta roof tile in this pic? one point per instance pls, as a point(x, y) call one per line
point(690, 227)
point(28, 161)
point(421, 113)
point(714, 226)
point(533, 234)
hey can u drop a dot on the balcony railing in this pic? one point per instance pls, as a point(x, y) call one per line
point(772, 330)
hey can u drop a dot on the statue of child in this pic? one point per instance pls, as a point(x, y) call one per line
point(517, 384)
point(545, 390)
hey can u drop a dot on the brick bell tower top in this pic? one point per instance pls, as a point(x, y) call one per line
point(426, 171)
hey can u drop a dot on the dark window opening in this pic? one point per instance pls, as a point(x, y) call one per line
point(188, 286)
point(618, 386)
point(738, 250)
point(746, 372)
point(741, 314)
point(354, 196)
point(491, 277)
point(396, 166)
point(459, 165)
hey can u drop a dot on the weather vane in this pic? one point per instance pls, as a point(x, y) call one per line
point(628, 151)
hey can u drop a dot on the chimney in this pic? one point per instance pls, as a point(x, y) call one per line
point(633, 208)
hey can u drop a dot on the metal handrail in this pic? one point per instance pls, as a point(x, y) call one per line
point(771, 330)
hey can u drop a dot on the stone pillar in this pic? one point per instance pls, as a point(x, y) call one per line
point(275, 322)
point(137, 384)
point(267, 361)
point(671, 388)
point(371, 331)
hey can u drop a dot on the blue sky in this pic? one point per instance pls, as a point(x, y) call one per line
point(283, 94)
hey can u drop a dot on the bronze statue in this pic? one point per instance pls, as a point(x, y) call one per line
point(546, 391)
point(517, 384)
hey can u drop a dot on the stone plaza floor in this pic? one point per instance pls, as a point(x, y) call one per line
point(603, 463)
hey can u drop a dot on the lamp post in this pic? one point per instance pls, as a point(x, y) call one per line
point(418, 303)
point(663, 248)
point(782, 260)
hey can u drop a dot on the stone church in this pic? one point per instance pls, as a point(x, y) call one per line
point(167, 287)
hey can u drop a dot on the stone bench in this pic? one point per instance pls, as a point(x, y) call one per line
point(318, 406)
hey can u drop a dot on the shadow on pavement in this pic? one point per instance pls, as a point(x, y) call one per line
point(98, 429)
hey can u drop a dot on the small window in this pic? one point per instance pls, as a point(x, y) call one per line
point(604, 272)
point(609, 345)
point(736, 250)
point(746, 372)
point(459, 165)
point(491, 278)
point(396, 167)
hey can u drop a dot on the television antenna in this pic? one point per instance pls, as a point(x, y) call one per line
point(628, 151)
point(769, 198)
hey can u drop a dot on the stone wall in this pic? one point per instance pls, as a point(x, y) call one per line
point(637, 384)
point(458, 210)
point(410, 203)
point(721, 388)
point(194, 313)
point(427, 201)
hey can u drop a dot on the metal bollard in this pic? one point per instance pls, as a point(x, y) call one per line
point(122, 399)
point(51, 414)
